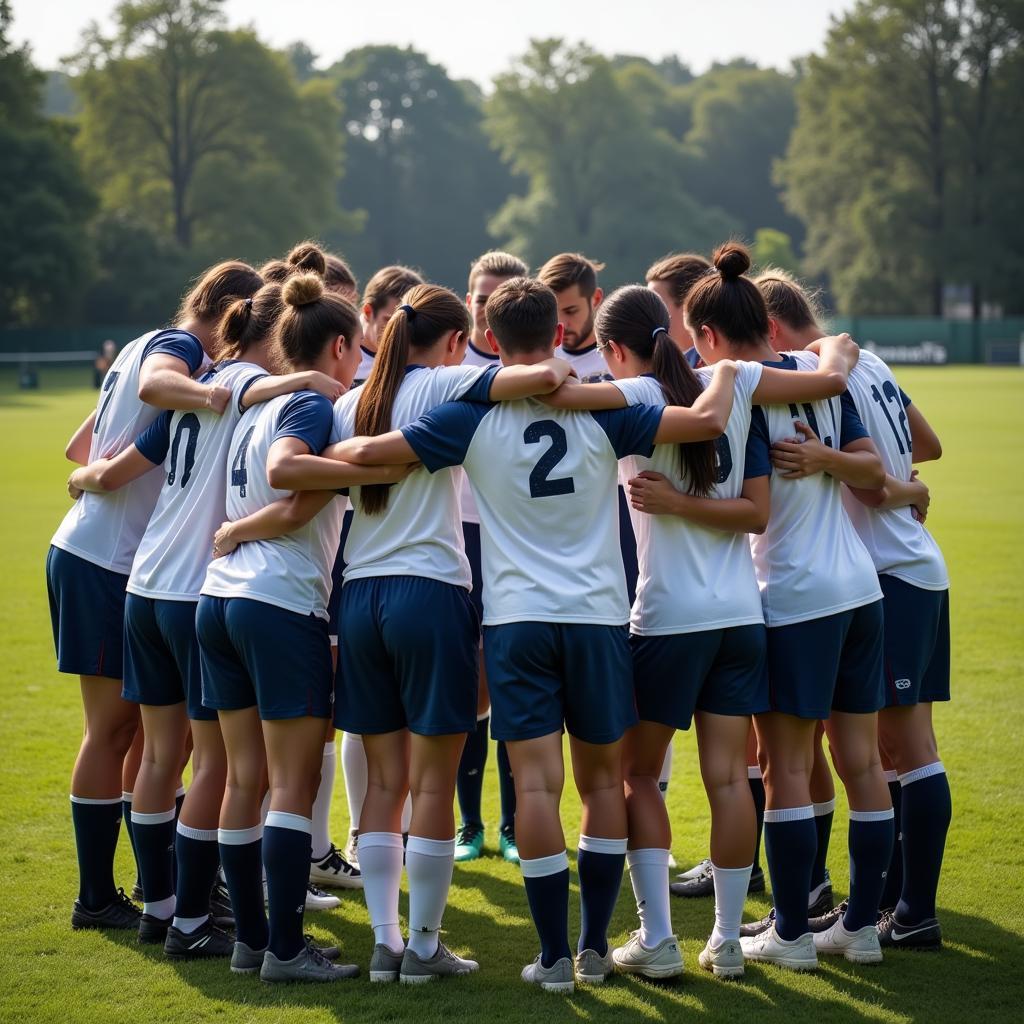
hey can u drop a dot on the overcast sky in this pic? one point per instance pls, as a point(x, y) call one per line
point(475, 39)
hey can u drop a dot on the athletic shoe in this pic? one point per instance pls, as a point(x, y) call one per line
point(153, 930)
point(770, 948)
point(205, 942)
point(823, 898)
point(385, 963)
point(246, 960)
point(119, 913)
point(822, 922)
point(559, 977)
point(137, 892)
point(752, 928)
point(700, 884)
point(507, 844)
point(672, 862)
point(469, 842)
point(592, 968)
point(724, 961)
point(308, 965)
point(756, 883)
point(334, 872)
point(317, 899)
point(859, 947)
point(697, 869)
point(220, 906)
point(351, 851)
point(443, 964)
point(663, 961)
point(925, 935)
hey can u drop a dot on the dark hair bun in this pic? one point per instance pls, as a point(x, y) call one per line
point(731, 260)
point(302, 289)
point(308, 256)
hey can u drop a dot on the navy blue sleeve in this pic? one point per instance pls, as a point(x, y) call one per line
point(904, 398)
point(692, 356)
point(154, 441)
point(442, 437)
point(757, 459)
point(851, 428)
point(307, 416)
point(180, 344)
point(481, 390)
point(631, 430)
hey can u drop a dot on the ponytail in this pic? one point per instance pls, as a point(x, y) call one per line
point(247, 322)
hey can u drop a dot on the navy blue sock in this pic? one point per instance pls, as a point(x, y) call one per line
point(287, 847)
point(198, 858)
point(757, 792)
point(823, 815)
point(154, 847)
point(790, 840)
point(894, 876)
point(241, 854)
point(506, 788)
point(97, 825)
point(470, 780)
point(179, 799)
point(871, 836)
point(126, 817)
point(927, 810)
point(548, 896)
point(600, 863)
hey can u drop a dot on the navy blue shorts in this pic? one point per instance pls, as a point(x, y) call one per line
point(829, 664)
point(627, 545)
point(471, 535)
point(337, 572)
point(408, 657)
point(87, 614)
point(916, 643)
point(722, 671)
point(546, 675)
point(254, 653)
point(161, 655)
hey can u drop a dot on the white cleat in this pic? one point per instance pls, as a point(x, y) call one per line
point(696, 871)
point(770, 948)
point(859, 947)
point(724, 961)
point(663, 961)
point(317, 899)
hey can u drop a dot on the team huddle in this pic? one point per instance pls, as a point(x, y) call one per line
point(425, 520)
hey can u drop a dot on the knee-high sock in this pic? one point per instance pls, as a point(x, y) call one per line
point(380, 861)
point(823, 815)
point(871, 836)
point(286, 846)
point(506, 788)
point(894, 876)
point(353, 765)
point(198, 858)
point(126, 817)
point(790, 840)
point(648, 874)
point(241, 854)
point(469, 782)
point(731, 886)
point(547, 891)
point(154, 843)
point(428, 863)
point(600, 863)
point(756, 784)
point(666, 772)
point(322, 804)
point(927, 811)
point(97, 824)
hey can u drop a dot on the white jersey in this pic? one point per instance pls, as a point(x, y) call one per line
point(587, 362)
point(366, 358)
point(544, 481)
point(898, 544)
point(810, 563)
point(473, 357)
point(193, 448)
point(693, 577)
point(419, 533)
point(106, 528)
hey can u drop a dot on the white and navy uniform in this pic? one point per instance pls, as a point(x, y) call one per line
point(91, 553)
point(587, 362)
point(161, 650)
point(408, 635)
point(697, 630)
point(262, 616)
point(910, 566)
point(819, 589)
point(366, 358)
point(555, 639)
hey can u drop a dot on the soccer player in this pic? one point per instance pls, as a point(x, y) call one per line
point(381, 297)
point(555, 641)
point(671, 278)
point(87, 571)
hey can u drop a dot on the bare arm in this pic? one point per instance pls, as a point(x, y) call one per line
point(837, 356)
point(707, 417)
point(271, 386)
point(389, 449)
point(898, 494)
point(857, 464)
point(574, 395)
point(654, 494)
point(927, 446)
point(291, 467)
point(164, 382)
point(512, 382)
point(274, 520)
point(105, 475)
point(77, 449)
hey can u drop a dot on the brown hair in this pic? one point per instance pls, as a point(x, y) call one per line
point(275, 270)
point(680, 271)
point(388, 284)
point(729, 301)
point(307, 256)
point(569, 268)
point(218, 287)
point(523, 314)
point(636, 318)
point(429, 313)
point(339, 277)
point(497, 264)
point(246, 322)
point(312, 317)
point(787, 299)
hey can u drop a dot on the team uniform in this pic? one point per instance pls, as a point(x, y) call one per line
point(91, 553)
point(366, 358)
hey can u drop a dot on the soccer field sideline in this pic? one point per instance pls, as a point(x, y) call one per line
point(48, 973)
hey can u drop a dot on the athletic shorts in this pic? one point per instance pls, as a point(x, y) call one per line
point(409, 657)
point(916, 643)
point(254, 653)
point(627, 545)
point(471, 536)
point(829, 664)
point(161, 655)
point(722, 671)
point(337, 572)
point(544, 676)
point(87, 615)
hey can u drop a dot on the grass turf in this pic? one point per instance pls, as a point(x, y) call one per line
point(49, 973)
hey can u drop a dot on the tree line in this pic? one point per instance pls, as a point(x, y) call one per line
point(889, 167)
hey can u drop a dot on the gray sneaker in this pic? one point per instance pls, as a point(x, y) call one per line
point(559, 977)
point(246, 960)
point(724, 961)
point(309, 965)
point(443, 964)
point(663, 961)
point(385, 963)
point(592, 968)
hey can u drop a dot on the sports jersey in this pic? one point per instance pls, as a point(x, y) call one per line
point(544, 481)
point(587, 362)
point(693, 577)
point(106, 528)
point(810, 563)
point(419, 533)
point(293, 571)
point(473, 357)
point(366, 358)
point(898, 544)
point(193, 449)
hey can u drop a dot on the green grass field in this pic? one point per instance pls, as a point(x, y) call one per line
point(49, 973)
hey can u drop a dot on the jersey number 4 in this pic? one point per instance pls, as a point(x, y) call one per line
point(541, 484)
point(189, 423)
point(239, 476)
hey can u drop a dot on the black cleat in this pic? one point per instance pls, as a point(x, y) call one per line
point(153, 930)
point(220, 906)
point(893, 935)
point(822, 922)
point(119, 913)
point(756, 927)
point(205, 942)
point(701, 884)
point(822, 905)
point(756, 883)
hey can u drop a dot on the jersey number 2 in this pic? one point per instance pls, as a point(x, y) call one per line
point(190, 423)
point(541, 486)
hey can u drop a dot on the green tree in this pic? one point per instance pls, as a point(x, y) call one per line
point(775, 249)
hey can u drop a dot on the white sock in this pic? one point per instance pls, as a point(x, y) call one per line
point(380, 861)
point(353, 765)
point(648, 872)
point(161, 908)
point(189, 924)
point(322, 804)
point(407, 814)
point(730, 895)
point(428, 863)
point(666, 772)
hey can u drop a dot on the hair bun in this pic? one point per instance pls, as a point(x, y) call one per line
point(302, 289)
point(308, 256)
point(731, 260)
